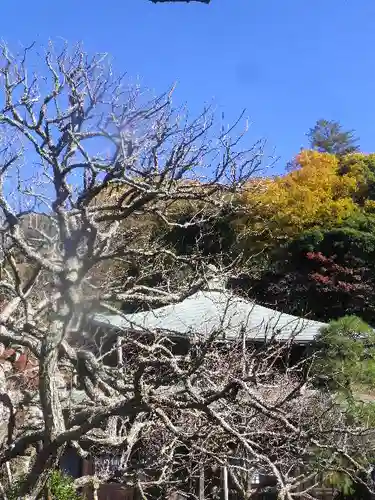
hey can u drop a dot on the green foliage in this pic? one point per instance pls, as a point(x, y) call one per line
point(362, 168)
point(347, 243)
point(347, 360)
point(347, 357)
point(347, 487)
point(60, 487)
point(327, 272)
point(340, 481)
point(350, 244)
point(359, 243)
point(308, 241)
point(361, 221)
point(328, 136)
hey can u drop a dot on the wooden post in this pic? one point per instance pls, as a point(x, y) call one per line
point(225, 483)
point(201, 483)
point(95, 489)
point(120, 361)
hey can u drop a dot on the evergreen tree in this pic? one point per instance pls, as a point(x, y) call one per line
point(328, 136)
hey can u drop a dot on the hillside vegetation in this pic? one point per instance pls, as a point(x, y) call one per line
point(315, 227)
point(307, 236)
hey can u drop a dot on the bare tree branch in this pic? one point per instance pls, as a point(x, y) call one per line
point(94, 177)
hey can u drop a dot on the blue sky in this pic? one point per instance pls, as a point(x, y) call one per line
point(288, 62)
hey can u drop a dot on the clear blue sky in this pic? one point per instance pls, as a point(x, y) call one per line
point(288, 62)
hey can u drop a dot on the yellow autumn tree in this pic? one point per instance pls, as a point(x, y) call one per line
point(315, 193)
point(361, 167)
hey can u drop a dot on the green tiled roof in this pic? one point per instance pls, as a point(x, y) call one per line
point(215, 311)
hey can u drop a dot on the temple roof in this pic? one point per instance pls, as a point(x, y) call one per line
point(218, 311)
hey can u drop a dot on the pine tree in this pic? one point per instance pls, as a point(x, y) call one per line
point(328, 136)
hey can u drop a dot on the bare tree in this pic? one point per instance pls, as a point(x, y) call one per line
point(90, 166)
